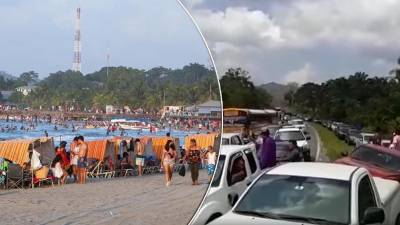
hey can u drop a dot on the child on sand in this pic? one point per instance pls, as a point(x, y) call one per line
point(211, 160)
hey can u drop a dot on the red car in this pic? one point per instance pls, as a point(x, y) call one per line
point(379, 161)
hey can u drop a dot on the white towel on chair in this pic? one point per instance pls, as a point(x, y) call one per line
point(35, 161)
point(57, 170)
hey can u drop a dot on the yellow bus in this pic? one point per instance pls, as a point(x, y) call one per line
point(237, 118)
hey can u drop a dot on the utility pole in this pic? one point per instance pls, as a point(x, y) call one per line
point(76, 66)
point(210, 92)
point(108, 61)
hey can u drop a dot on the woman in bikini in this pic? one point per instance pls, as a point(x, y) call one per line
point(168, 159)
point(74, 158)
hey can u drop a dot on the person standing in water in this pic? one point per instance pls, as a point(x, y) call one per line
point(139, 156)
point(82, 160)
point(168, 159)
point(194, 157)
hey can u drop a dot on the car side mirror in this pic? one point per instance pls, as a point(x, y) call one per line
point(233, 198)
point(308, 138)
point(344, 153)
point(373, 215)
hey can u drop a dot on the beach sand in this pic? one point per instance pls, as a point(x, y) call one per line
point(131, 200)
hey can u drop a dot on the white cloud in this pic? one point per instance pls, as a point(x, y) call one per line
point(238, 26)
point(337, 36)
point(302, 75)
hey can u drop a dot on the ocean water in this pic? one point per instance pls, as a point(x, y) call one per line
point(66, 134)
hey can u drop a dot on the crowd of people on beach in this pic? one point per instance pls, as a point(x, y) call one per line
point(193, 156)
point(74, 162)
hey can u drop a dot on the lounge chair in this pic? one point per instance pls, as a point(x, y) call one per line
point(15, 177)
point(103, 171)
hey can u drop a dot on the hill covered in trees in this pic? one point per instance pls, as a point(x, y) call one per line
point(373, 102)
point(122, 86)
point(239, 91)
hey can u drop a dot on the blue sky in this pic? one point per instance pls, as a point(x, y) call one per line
point(301, 40)
point(38, 35)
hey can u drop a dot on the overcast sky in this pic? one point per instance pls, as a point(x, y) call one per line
point(301, 40)
point(38, 35)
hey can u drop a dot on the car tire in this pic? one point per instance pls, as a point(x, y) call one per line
point(215, 216)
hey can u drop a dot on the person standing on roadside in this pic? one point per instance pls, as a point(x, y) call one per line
point(194, 158)
point(82, 160)
point(396, 140)
point(268, 151)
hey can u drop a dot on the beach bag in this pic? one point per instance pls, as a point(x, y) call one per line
point(182, 170)
point(42, 172)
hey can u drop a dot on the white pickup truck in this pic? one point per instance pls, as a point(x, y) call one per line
point(316, 193)
point(237, 167)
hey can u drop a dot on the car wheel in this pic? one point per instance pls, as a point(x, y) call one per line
point(215, 216)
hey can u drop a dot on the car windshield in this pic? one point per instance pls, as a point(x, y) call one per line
point(225, 141)
point(289, 135)
point(218, 171)
point(297, 122)
point(298, 198)
point(377, 158)
point(368, 137)
point(354, 132)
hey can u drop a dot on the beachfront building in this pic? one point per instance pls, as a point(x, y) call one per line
point(172, 110)
point(208, 108)
point(26, 90)
point(110, 109)
point(6, 95)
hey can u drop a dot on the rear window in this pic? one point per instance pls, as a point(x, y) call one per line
point(218, 171)
point(377, 158)
point(297, 122)
point(289, 135)
point(225, 141)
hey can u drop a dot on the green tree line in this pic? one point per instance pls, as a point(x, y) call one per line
point(359, 99)
point(239, 91)
point(122, 86)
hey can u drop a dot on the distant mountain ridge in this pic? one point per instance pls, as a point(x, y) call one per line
point(277, 91)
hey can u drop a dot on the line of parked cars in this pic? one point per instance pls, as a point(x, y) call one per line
point(350, 134)
point(363, 187)
point(294, 130)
